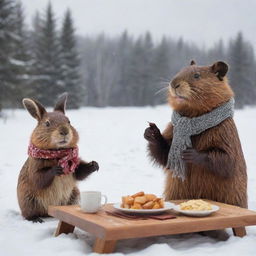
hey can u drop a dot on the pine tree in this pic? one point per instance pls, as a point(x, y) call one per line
point(161, 66)
point(124, 48)
point(242, 66)
point(135, 82)
point(105, 73)
point(8, 40)
point(148, 74)
point(88, 70)
point(21, 57)
point(70, 62)
point(140, 80)
point(35, 47)
point(47, 62)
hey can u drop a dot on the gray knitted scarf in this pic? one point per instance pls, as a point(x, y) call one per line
point(184, 128)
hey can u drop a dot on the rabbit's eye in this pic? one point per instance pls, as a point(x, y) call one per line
point(196, 75)
point(68, 121)
point(47, 123)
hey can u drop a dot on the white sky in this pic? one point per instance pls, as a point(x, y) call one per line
point(201, 21)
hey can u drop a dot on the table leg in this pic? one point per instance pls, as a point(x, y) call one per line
point(104, 246)
point(64, 227)
point(241, 231)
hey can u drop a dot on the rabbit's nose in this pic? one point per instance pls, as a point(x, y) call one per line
point(64, 131)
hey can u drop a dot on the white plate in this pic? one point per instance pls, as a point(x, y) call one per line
point(167, 206)
point(215, 208)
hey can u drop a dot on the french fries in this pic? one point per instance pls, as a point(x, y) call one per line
point(141, 200)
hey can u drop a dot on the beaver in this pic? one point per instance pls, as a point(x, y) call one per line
point(43, 181)
point(215, 167)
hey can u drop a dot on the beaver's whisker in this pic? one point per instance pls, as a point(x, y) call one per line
point(165, 83)
point(161, 90)
point(165, 79)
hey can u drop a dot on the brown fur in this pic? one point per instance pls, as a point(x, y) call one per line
point(35, 201)
point(221, 176)
point(41, 182)
point(202, 95)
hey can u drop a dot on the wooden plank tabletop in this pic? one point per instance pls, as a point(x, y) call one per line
point(110, 227)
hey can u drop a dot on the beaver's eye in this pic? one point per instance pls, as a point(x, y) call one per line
point(68, 121)
point(196, 75)
point(47, 123)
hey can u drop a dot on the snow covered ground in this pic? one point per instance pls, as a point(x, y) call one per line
point(114, 138)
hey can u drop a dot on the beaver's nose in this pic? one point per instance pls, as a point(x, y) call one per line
point(63, 131)
point(175, 86)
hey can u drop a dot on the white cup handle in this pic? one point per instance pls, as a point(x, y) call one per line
point(105, 199)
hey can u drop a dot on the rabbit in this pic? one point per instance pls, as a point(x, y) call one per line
point(50, 174)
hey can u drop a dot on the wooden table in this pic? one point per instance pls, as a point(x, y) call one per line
point(109, 229)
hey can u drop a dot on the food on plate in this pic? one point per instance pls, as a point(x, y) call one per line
point(148, 205)
point(141, 200)
point(195, 205)
point(127, 200)
point(150, 197)
point(135, 206)
point(138, 194)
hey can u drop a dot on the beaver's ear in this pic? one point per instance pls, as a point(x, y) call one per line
point(220, 68)
point(192, 62)
point(35, 108)
point(61, 103)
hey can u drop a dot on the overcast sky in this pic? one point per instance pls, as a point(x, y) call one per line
point(200, 21)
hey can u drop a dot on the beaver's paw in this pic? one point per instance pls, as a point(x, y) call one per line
point(152, 134)
point(190, 155)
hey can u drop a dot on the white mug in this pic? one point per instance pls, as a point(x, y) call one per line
point(91, 201)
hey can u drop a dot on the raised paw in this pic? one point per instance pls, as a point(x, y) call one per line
point(94, 166)
point(84, 169)
point(191, 155)
point(152, 134)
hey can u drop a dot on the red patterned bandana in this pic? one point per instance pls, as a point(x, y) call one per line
point(67, 158)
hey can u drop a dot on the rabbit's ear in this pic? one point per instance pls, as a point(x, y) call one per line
point(192, 62)
point(61, 103)
point(35, 108)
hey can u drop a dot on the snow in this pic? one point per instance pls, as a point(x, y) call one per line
point(114, 138)
point(17, 62)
